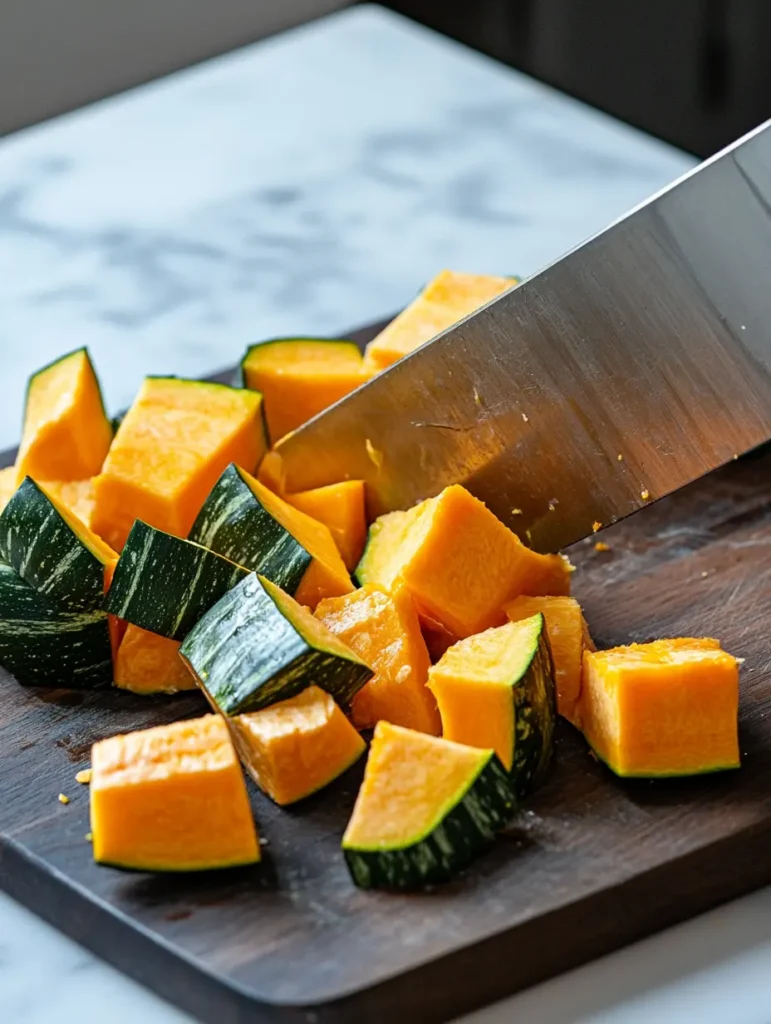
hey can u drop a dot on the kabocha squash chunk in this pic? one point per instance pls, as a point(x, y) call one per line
point(341, 507)
point(257, 646)
point(298, 746)
point(170, 448)
point(458, 561)
point(496, 690)
point(43, 645)
point(53, 551)
point(443, 302)
point(425, 809)
point(66, 433)
point(75, 495)
point(165, 584)
point(384, 630)
point(249, 524)
point(568, 637)
point(300, 377)
point(171, 798)
point(665, 708)
point(148, 663)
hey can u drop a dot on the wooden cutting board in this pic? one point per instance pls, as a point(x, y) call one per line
point(591, 864)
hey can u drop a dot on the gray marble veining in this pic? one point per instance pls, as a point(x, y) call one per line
point(306, 184)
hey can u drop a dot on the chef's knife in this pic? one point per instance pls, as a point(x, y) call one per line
point(633, 365)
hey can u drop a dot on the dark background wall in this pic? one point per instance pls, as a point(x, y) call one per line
point(694, 72)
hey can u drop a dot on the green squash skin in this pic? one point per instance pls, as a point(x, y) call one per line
point(247, 654)
point(165, 584)
point(42, 645)
point(535, 715)
point(233, 523)
point(44, 550)
point(481, 811)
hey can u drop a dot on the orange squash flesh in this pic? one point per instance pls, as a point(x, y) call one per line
point(8, 485)
point(665, 708)
point(172, 445)
point(148, 663)
point(297, 746)
point(568, 638)
point(327, 575)
point(341, 507)
point(384, 630)
point(271, 472)
point(410, 780)
point(459, 562)
point(171, 798)
point(66, 434)
point(77, 495)
point(448, 298)
point(300, 377)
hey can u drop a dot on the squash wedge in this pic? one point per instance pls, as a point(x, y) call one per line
point(244, 521)
point(665, 708)
point(425, 809)
point(43, 645)
point(496, 689)
point(165, 584)
point(568, 637)
point(298, 746)
point(342, 508)
point(171, 798)
point(170, 448)
point(300, 377)
point(257, 646)
point(53, 551)
point(66, 434)
point(384, 630)
point(445, 300)
point(148, 663)
point(459, 562)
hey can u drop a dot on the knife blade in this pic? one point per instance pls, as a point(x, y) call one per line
point(635, 364)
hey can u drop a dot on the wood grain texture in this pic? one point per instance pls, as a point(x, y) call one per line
point(591, 864)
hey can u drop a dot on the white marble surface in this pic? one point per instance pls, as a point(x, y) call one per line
point(311, 183)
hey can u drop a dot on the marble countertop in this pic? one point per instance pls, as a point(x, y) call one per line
point(308, 184)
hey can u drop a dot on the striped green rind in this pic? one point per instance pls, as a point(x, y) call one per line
point(260, 345)
point(534, 717)
point(42, 645)
point(47, 553)
point(481, 811)
point(165, 584)
point(234, 523)
point(248, 652)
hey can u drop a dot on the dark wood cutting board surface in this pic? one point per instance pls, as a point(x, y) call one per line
point(591, 864)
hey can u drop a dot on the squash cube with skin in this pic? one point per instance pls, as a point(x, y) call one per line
point(171, 446)
point(298, 746)
point(445, 300)
point(300, 377)
point(341, 507)
point(246, 522)
point(568, 637)
point(661, 709)
point(384, 630)
point(425, 809)
point(171, 798)
point(258, 646)
point(66, 434)
point(459, 562)
point(496, 689)
point(148, 663)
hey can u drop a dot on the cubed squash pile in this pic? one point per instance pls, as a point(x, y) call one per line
point(166, 557)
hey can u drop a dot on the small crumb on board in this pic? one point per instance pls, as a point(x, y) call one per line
point(601, 546)
point(63, 799)
point(596, 525)
point(84, 776)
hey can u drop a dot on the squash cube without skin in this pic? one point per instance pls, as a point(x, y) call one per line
point(171, 798)
point(665, 708)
